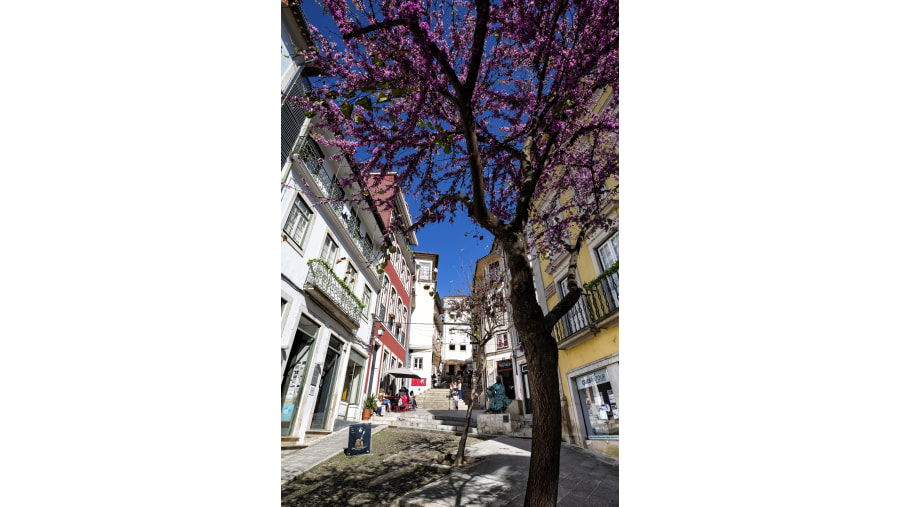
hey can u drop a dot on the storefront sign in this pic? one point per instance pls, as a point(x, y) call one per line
point(592, 379)
point(360, 439)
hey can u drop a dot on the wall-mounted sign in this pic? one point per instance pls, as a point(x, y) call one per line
point(592, 379)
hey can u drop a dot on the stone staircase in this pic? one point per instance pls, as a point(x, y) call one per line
point(439, 399)
point(420, 419)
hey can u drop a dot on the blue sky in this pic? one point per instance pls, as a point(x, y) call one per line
point(449, 241)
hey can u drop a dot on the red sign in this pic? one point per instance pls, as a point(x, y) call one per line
point(418, 382)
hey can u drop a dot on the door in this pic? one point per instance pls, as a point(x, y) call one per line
point(326, 386)
point(527, 387)
point(295, 373)
point(577, 317)
point(505, 371)
point(608, 253)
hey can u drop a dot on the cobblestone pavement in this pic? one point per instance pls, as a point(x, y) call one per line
point(321, 449)
point(402, 460)
point(586, 478)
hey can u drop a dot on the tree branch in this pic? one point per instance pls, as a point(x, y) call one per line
point(372, 28)
point(512, 150)
point(574, 291)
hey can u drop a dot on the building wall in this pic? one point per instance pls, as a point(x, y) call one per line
point(426, 318)
point(297, 303)
point(599, 350)
point(393, 340)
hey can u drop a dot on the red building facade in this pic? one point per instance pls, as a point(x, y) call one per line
point(390, 328)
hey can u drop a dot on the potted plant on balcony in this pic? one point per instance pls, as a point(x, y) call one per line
point(368, 407)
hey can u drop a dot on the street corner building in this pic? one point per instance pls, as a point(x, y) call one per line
point(343, 318)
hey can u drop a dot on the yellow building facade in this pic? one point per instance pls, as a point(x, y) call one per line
point(588, 335)
point(588, 341)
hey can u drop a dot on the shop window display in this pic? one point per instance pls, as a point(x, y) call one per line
point(598, 403)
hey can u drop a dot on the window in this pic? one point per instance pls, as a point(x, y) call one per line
point(354, 219)
point(350, 276)
point(283, 305)
point(424, 272)
point(494, 271)
point(452, 346)
point(298, 220)
point(403, 324)
point(417, 363)
point(608, 254)
point(329, 251)
point(367, 296)
point(393, 301)
point(367, 241)
point(462, 346)
point(351, 383)
point(502, 340)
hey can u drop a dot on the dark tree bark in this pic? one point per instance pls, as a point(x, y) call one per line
point(543, 360)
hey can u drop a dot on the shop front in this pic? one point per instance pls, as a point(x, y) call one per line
point(295, 374)
point(350, 405)
point(597, 403)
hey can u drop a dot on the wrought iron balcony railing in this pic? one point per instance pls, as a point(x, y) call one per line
point(593, 306)
point(327, 282)
point(292, 117)
point(331, 190)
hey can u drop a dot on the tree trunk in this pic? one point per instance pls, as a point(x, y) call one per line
point(543, 360)
point(473, 394)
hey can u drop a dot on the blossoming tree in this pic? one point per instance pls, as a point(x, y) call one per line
point(490, 108)
point(483, 310)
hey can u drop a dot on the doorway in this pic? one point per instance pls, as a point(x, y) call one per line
point(294, 378)
point(527, 388)
point(505, 371)
point(326, 386)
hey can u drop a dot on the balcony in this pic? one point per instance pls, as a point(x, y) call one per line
point(292, 118)
point(327, 290)
point(331, 190)
point(597, 308)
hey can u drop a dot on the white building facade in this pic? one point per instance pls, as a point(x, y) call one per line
point(426, 326)
point(327, 270)
point(457, 351)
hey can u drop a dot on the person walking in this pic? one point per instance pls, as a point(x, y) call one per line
point(454, 395)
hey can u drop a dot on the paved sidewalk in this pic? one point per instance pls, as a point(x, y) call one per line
point(585, 478)
point(318, 452)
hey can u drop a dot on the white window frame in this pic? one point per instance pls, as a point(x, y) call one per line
point(337, 250)
point(351, 281)
point(301, 243)
point(367, 300)
point(506, 346)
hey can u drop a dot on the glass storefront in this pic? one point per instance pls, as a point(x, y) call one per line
point(598, 403)
point(295, 373)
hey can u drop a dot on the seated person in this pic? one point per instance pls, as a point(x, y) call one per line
point(412, 400)
point(404, 402)
point(387, 402)
point(379, 405)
